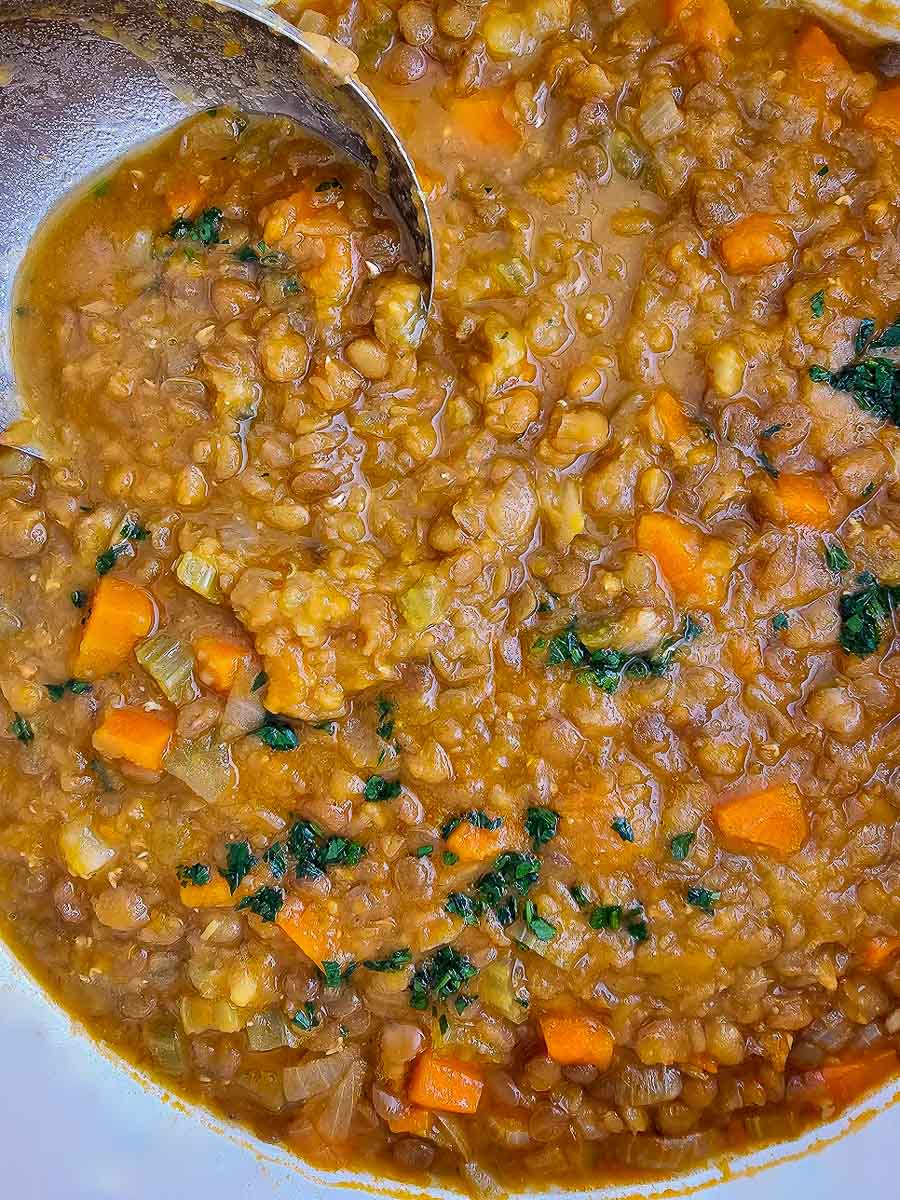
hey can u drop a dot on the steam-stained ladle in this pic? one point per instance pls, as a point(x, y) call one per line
point(82, 82)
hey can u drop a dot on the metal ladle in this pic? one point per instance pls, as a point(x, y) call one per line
point(83, 82)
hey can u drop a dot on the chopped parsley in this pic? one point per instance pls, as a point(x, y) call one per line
point(605, 668)
point(449, 858)
point(259, 681)
point(424, 851)
point(444, 1024)
point(872, 381)
point(21, 729)
point(275, 859)
point(622, 826)
point(817, 303)
point(79, 598)
point(863, 335)
point(395, 961)
point(541, 825)
point(239, 861)
point(305, 1018)
point(606, 916)
point(314, 852)
point(195, 875)
point(385, 727)
point(290, 287)
point(702, 898)
point(767, 465)
point(467, 907)
point(579, 895)
point(476, 817)
point(542, 929)
point(378, 788)
point(205, 229)
point(636, 925)
point(333, 975)
point(328, 185)
point(512, 873)
point(865, 613)
point(441, 976)
point(771, 430)
point(326, 726)
point(277, 733)
point(823, 170)
point(780, 621)
point(262, 254)
point(836, 558)
point(129, 531)
point(680, 845)
point(78, 687)
point(266, 902)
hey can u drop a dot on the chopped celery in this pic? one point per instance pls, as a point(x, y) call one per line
point(171, 664)
point(200, 575)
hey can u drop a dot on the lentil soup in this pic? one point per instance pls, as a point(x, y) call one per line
point(464, 744)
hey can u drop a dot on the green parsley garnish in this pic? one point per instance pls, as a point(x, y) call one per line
point(315, 853)
point(817, 303)
point(79, 598)
point(385, 727)
point(195, 875)
point(476, 817)
point(836, 558)
point(604, 668)
point(21, 729)
point(680, 845)
point(395, 961)
point(266, 902)
point(543, 930)
point(78, 687)
point(424, 851)
point(780, 621)
point(579, 895)
point(239, 860)
point(767, 465)
point(464, 906)
point(378, 788)
point(439, 977)
point(326, 726)
point(541, 825)
point(865, 613)
point(606, 916)
point(771, 430)
point(205, 229)
point(275, 859)
point(702, 898)
point(622, 826)
point(449, 858)
point(873, 382)
point(305, 1018)
point(259, 681)
point(277, 733)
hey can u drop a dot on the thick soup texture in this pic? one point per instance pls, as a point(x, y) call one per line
point(464, 744)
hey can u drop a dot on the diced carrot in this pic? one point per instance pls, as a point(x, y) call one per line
point(706, 23)
point(883, 114)
point(671, 416)
point(184, 198)
point(215, 894)
point(573, 1038)
point(480, 119)
point(447, 1084)
point(134, 733)
point(773, 818)
point(218, 661)
point(754, 243)
point(121, 614)
point(314, 928)
point(416, 1121)
point(878, 951)
point(696, 567)
point(816, 56)
point(842, 1082)
point(472, 844)
point(804, 500)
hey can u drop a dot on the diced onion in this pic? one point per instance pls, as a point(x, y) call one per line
point(495, 987)
point(244, 709)
point(205, 766)
point(84, 852)
point(661, 118)
point(448, 1131)
point(479, 1181)
point(333, 1123)
point(316, 1075)
point(171, 665)
point(264, 1086)
point(269, 1030)
point(664, 1154)
point(200, 575)
point(199, 1014)
point(164, 1044)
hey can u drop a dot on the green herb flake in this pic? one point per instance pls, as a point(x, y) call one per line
point(328, 185)
point(863, 335)
point(817, 303)
point(864, 615)
point(542, 929)
point(702, 898)
point(332, 974)
point(606, 916)
point(541, 825)
point(395, 961)
point(823, 170)
point(259, 681)
point(444, 1024)
point(836, 558)
point(205, 229)
point(326, 726)
point(77, 687)
point(305, 1018)
point(239, 861)
point(771, 430)
point(767, 465)
point(579, 895)
point(277, 734)
point(680, 845)
point(424, 851)
point(21, 729)
point(622, 827)
point(385, 727)
point(195, 875)
point(79, 599)
point(439, 977)
point(476, 817)
point(467, 907)
point(275, 859)
point(378, 788)
point(449, 859)
point(290, 287)
point(266, 903)
point(780, 622)
point(604, 668)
